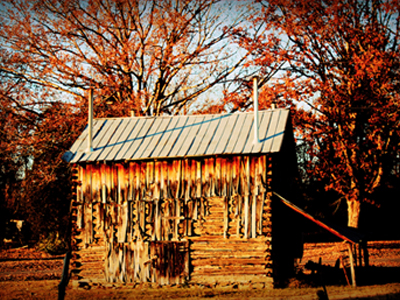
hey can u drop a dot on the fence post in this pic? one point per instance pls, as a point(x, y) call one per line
point(64, 277)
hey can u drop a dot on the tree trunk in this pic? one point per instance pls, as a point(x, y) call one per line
point(353, 212)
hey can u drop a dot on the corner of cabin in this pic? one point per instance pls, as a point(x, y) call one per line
point(286, 224)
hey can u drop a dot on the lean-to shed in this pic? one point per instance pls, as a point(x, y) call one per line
point(185, 199)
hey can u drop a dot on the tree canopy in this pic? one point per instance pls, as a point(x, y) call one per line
point(157, 56)
point(146, 57)
point(341, 67)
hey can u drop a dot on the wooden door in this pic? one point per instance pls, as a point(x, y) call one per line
point(170, 261)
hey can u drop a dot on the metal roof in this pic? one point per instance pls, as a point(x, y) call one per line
point(180, 136)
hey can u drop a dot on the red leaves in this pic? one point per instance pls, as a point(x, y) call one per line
point(159, 54)
point(341, 70)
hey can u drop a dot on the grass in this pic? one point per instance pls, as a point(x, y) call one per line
point(48, 289)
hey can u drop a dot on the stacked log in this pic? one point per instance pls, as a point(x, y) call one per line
point(218, 260)
point(133, 212)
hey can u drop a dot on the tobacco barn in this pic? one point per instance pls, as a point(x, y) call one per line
point(177, 199)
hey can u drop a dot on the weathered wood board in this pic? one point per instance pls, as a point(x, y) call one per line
point(174, 220)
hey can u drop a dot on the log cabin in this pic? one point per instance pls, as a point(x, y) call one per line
point(185, 199)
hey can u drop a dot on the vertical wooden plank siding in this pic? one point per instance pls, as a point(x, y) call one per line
point(79, 198)
point(137, 214)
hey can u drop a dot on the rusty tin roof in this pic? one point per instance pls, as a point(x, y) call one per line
point(138, 138)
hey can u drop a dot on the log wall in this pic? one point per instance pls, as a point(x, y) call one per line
point(211, 217)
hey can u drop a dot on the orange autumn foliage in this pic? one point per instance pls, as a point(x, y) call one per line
point(146, 57)
point(341, 67)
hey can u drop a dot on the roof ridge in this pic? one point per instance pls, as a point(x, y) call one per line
point(198, 115)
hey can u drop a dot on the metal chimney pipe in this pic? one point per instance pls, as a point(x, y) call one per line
point(90, 122)
point(255, 104)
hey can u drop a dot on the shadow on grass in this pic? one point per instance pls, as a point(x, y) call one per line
point(322, 275)
point(377, 275)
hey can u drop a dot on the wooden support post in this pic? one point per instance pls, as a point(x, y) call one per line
point(344, 269)
point(120, 183)
point(246, 199)
point(226, 193)
point(198, 179)
point(253, 178)
point(253, 217)
point(359, 255)
point(365, 253)
point(246, 217)
point(177, 219)
point(226, 217)
point(157, 200)
point(351, 258)
point(261, 213)
point(212, 176)
point(187, 205)
point(235, 182)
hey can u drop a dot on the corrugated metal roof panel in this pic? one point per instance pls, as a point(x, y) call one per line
point(280, 128)
point(134, 129)
point(270, 134)
point(146, 142)
point(139, 139)
point(235, 134)
point(181, 139)
point(79, 148)
point(263, 129)
point(191, 135)
point(99, 148)
point(175, 133)
point(164, 138)
point(246, 133)
point(217, 136)
point(225, 138)
point(199, 137)
point(208, 136)
point(156, 138)
point(180, 136)
point(117, 140)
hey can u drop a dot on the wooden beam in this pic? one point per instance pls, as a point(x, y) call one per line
point(246, 199)
point(308, 216)
point(351, 258)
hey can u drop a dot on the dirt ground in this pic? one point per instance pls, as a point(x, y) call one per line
point(28, 274)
